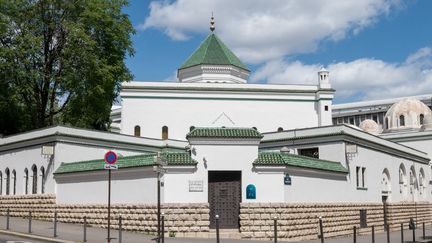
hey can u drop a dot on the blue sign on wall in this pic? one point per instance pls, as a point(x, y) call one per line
point(287, 180)
point(250, 192)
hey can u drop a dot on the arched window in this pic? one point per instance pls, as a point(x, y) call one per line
point(42, 170)
point(7, 172)
point(385, 182)
point(401, 120)
point(35, 179)
point(421, 181)
point(280, 129)
point(191, 128)
point(137, 131)
point(26, 181)
point(421, 119)
point(164, 132)
point(387, 123)
point(413, 180)
point(1, 183)
point(14, 179)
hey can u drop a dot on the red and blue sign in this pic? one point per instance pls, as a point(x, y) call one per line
point(110, 157)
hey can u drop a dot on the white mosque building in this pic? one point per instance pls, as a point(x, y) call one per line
point(234, 149)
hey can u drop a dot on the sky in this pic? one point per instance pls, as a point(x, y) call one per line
point(373, 49)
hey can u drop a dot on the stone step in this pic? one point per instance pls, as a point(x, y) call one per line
point(226, 233)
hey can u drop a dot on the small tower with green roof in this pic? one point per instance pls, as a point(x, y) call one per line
point(213, 62)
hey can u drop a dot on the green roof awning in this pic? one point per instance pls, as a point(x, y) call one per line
point(224, 132)
point(286, 159)
point(173, 158)
point(213, 51)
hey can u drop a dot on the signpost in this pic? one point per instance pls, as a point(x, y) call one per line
point(110, 160)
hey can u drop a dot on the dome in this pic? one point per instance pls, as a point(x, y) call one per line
point(370, 126)
point(409, 113)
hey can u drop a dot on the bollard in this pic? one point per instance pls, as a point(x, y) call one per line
point(388, 233)
point(402, 233)
point(424, 231)
point(7, 218)
point(275, 229)
point(120, 229)
point(373, 234)
point(413, 232)
point(85, 229)
point(55, 224)
point(321, 230)
point(355, 234)
point(217, 228)
point(163, 228)
point(30, 222)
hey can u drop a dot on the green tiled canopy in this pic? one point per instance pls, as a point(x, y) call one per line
point(213, 51)
point(223, 132)
point(173, 158)
point(286, 159)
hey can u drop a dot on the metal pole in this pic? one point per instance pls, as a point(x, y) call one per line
point(413, 232)
point(158, 207)
point(388, 233)
point(120, 229)
point(163, 228)
point(217, 228)
point(373, 234)
point(85, 229)
point(29, 225)
point(109, 206)
point(275, 229)
point(355, 234)
point(321, 229)
point(402, 233)
point(7, 218)
point(55, 224)
point(424, 231)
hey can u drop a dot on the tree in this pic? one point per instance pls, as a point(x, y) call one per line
point(62, 61)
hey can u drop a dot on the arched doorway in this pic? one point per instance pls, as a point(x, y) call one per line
point(385, 192)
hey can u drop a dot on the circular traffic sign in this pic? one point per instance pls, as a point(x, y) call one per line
point(110, 157)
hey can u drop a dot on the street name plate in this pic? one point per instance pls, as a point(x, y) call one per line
point(196, 186)
point(110, 167)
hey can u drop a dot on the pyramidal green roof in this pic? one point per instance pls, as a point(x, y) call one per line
point(213, 51)
point(224, 132)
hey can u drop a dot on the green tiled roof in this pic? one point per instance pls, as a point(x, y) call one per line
point(281, 159)
point(213, 51)
point(224, 132)
point(173, 158)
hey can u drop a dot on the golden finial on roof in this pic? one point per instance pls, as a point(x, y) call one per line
point(212, 22)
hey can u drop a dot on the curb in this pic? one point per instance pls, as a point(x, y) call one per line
point(35, 237)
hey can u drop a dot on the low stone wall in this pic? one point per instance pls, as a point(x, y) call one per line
point(295, 221)
point(300, 221)
point(181, 219)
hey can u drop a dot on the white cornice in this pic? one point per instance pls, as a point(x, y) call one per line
point(85, 137)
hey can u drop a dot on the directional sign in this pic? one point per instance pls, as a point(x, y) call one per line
point(110, 157)
point(110, 167)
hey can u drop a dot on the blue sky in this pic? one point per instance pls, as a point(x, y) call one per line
point(372, 48)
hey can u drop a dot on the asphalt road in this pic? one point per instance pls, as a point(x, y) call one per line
point(13, 239)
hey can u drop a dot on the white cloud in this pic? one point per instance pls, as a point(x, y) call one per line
point(260, 30)
point(362, 78)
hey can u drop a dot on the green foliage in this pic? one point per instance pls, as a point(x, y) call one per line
point(61, 62)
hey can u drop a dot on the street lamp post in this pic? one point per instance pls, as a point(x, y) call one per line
point(160, 163)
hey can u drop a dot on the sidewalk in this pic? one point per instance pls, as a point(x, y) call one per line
point(74, 233)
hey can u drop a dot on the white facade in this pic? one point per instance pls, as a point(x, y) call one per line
point(180, 106)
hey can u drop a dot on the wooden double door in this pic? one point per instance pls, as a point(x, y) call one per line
point(224, 198)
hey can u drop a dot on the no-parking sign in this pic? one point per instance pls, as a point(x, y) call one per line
point(110, 160)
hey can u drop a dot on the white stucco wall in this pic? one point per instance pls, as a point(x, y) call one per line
point(308, 186)
point(19, 160)
point(223, 157)
point(136, 185)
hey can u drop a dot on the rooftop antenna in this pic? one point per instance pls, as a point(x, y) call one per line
point(212, 22)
